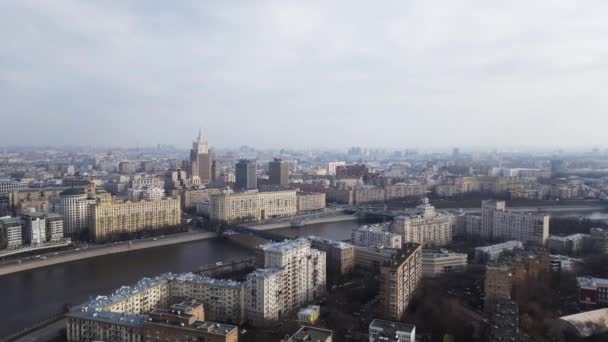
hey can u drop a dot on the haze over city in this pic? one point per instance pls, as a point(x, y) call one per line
point(305, 74)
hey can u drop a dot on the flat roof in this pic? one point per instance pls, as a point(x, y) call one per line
point(311, 334)
point(591, 282)
point(389, 328)
point(334, 243)
point(208, 327)
point(284, 246)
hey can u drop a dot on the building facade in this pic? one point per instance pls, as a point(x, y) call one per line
point(438, 261)
point(111, 218)
point(340, 256)
point(289, 275)
point(400, 278)
point(75, 210)
point(246, 175)
point(308, 202)
point(200, 160)
point(252, 206)
point(501, 225)
point(429, 228)
point(278, 172)
point(376, 235)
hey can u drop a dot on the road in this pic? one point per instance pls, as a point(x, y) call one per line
point(47, 333)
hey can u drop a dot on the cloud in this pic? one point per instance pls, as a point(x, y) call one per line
point(293, 73)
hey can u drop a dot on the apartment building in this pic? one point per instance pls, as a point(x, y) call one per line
point(592, 292)
point(500, 224)
point(290, 275)
point(428, 227)
point(404, 190)
point(111, 217)
point(11, 232)
point(252, 206)
point(400, 278)
point(144, 312)
point(376, 235)
point(388, 331)
point(340, 256)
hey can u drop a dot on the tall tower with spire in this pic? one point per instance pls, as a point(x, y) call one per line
point(200, 160)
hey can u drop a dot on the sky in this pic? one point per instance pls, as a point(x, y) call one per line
point(304, 73)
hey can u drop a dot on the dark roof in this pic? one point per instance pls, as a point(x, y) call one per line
point(72, 192)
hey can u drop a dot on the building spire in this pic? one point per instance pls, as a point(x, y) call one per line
point(200, 134)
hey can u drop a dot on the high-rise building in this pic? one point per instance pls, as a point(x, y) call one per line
point(7, 185)
point(54, 227)
point(74, 208)
point(246, 175)
point(200, 160)
point(291, 274)
point(278, 172)
point(331, 167)
point(34, 232)
point(428, 227)
point(400, 277)
point(216, 171)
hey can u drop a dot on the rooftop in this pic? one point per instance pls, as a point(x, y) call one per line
point(402, 254)
point(334, 243)
point(507, 244)
point(72, 192)
point(591, 282)
point(284, 246)
point(573, 237)
point(10, 220)
point(390, 329)
point(208, 327)
point(588, 323)
point(311, 334)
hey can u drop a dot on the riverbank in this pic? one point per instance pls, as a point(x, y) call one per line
point(99, 250)
point(287, 224)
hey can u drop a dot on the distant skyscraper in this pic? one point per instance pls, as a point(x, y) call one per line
point(200, 161)
point(246, 178)
point(455, 153)
point(278, 172)
point(216, 171)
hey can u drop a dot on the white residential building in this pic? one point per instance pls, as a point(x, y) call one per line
point(74, 208)
point(427, 228)
point(376, 235)
point(292, 274)
point(501, 225)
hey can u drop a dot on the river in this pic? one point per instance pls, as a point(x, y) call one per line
point(31, 296)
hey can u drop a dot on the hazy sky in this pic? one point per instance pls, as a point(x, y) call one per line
point(304, 73)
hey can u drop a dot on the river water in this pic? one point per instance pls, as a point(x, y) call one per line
point(31, 296)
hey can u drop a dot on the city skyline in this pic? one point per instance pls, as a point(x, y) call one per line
point(304, 75)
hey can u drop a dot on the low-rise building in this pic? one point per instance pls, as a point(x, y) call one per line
point(438, 261)
point(562, 263)
point(592, 292)
point(493, 252)
point(309, 314)
point(310, 334)
point(376, 235)
point(388, 331)
point(568, 245)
